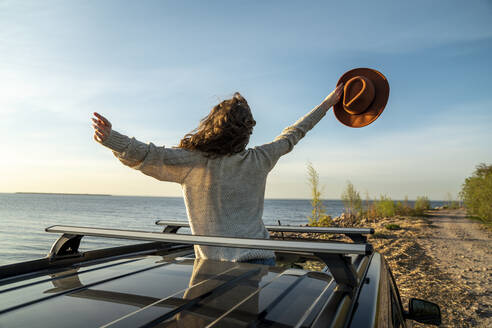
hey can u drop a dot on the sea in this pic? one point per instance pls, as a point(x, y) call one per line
point(24, 216)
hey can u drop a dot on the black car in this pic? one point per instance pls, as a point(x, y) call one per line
point(160, 284)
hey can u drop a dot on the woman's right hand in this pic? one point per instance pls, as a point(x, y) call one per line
point(102, 127)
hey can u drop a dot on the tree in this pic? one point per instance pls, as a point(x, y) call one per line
point(476, 192)
point(318, 215)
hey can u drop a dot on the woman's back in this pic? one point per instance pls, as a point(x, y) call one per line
point(224, 197)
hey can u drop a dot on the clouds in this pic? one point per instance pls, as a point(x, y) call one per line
point(123, 34)
point(430, 159)
point(157, 68)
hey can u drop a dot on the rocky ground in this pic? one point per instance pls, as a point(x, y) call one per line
point(443, 258)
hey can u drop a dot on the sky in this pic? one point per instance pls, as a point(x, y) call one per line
point(155, 68)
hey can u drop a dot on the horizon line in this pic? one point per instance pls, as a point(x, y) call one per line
point(112, 195)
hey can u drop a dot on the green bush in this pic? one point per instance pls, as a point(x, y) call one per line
point(422, 204)
point(476, 193)
point(385, 207)
point(404, 208)
point(455, 205)
point(392, 226)
point(321, 221)
point(351, 200)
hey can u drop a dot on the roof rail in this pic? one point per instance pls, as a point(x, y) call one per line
point(332, 253)
point(356, 234)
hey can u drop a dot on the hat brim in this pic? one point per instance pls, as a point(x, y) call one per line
point(381, 86)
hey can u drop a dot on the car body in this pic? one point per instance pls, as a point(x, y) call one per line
point(161, 284)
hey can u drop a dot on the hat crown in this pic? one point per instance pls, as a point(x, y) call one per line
point(358, 94)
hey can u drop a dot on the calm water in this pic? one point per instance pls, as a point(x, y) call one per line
point(23, 218)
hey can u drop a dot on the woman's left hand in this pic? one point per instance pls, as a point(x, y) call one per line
point(334, 97)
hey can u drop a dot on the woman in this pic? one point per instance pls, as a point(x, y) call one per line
point(223, 182)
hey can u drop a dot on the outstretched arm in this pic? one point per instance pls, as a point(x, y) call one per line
point(165, 164)
point(291, 135)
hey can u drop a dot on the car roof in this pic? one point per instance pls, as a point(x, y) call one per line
point(169, 291)
point(162, 284)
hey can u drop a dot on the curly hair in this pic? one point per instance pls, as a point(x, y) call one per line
point(224, 131)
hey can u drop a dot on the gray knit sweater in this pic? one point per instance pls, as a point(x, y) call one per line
point(223, 196)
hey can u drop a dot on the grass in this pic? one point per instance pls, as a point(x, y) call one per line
point(392, 226)
point(318, 217)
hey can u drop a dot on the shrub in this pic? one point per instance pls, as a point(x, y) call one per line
point(392, 226)
point(422, 204)
point(476, 192)
point(323, 221)
point(450, 202)
point(351, 200)
point(404, 208)
point(371, 212)
point(318, 217)
point(385, 207)
point(454, 205)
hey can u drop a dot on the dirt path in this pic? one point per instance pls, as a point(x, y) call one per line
point(443, 258)
point(463, 250)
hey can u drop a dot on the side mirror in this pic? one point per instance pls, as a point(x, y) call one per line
point(424, 312)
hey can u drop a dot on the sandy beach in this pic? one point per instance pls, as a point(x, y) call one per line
point(443, 258)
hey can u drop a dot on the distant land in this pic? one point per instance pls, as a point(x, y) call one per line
point(59, 193)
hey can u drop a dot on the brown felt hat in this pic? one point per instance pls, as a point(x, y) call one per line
point(365, 93)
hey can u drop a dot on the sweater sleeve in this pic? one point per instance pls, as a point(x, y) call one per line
point(165, 164)
point(290, 136)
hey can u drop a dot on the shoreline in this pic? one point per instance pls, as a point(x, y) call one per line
point(153, 196)
point(57, 193)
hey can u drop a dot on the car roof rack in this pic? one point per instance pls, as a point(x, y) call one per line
point(333, 254)
point(356, 234)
